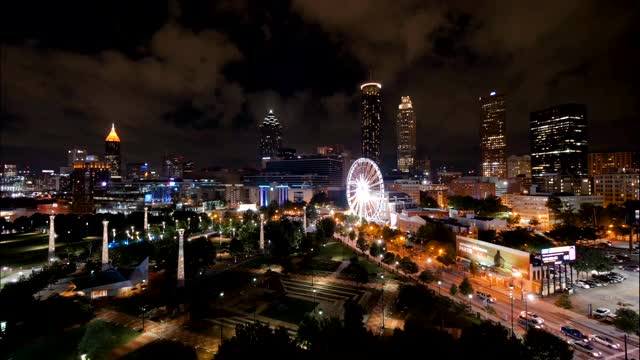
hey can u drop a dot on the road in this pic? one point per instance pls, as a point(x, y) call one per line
point(554, 316)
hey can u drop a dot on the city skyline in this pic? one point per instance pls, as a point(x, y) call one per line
point(444, 62)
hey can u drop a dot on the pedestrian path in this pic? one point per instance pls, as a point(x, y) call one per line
point(381, 310)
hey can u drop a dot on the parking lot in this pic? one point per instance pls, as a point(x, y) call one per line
point(611, 296)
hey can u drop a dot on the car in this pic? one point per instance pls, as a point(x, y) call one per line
point(600, 312)
point(635, 268)
point(532, 315)
point(582, 284)
point(592, 283)
point(535, 323)
point(604, 341)
point(610, 318)
point(485, 296)
point(586, 348)
point(574, 333)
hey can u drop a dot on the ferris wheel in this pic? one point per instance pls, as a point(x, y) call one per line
point(365, 189)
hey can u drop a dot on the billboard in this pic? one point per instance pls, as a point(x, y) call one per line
point(558, 255)
point(504, 260)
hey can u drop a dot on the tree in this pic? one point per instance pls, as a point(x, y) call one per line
point(374, 250)
point(328, 226)
point(534, 222)
point(465, 287)
point(97, 339)
point(513, 220)
point(408, 266)
point(564, 301)
point(542, 345)
point(427, 201)
point(448, 257)
point(352, 235)
point(428, 276)
point(627, 320)
point(362, 243)
point(588, 259)
point(473, 268)
point(258, 341)
point(453, 290)
point(389, 258)
point(163, 349)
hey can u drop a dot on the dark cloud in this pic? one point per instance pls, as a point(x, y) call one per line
point(198, 76)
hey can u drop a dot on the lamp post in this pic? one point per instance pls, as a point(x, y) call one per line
point(255, 308)
point(526, 309)
point(382, 277)
point(144, 309)
point(221, 335)
point(511, 297)
point(470, 297)
point(439, 284)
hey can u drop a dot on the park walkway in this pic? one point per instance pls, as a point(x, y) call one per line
point(154, 331)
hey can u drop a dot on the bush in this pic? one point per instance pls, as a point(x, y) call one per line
point(428, 276)
point(408, 266)
point(453, 290)
point(465, 287)
point(564, 301)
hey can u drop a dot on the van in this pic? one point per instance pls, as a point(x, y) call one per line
point(485, 296)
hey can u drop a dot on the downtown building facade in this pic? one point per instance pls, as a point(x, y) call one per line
point(406, 135)
point(493, 133)
point(558, 143)
point(371, 119)
point(112, 154)
point(611, 162)
point(617, 188)
point(270, 137)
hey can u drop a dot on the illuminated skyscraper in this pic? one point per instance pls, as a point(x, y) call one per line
point(493, 143)
point(371, 113)
point(406, 130)
point(559, 141)
point(112, 153)
point(270, 137)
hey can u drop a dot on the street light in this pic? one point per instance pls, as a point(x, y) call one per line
point(144, 309)
point(382, 298)
point(221, 335)
point(470, 297)
point(439, 284)
point(511, 298)
point(526, 309)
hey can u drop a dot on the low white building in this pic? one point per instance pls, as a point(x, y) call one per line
point(534, 206)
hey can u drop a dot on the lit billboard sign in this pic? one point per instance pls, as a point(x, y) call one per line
point(558, 255)
point(508, 261)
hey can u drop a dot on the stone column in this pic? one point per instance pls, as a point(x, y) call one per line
point(105, 245)
point(181, 258)
point(261, 232)
point(146, 222)
point(304, 219)
point(52, 239)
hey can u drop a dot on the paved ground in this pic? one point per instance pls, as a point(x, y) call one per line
point(609, 296)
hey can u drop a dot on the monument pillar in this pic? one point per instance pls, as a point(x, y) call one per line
point(105, 245)
point(181, 258)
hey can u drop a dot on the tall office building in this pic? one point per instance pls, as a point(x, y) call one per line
point(559, 141)
point(493, 133)
point(173, 166)
point(89, 178)
point(406, 131)
point(112, 153)
point(75, 155)
point(371, 115)
point(519, 165)
point(611, 162)
point(327, 167)
point(270, 137)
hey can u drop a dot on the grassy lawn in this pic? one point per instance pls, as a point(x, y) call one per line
point(66, 345)
point(335, 251)
point(288, 309)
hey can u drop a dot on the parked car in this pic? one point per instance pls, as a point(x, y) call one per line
point(532, 315)
point(604, 341)
point(574, 333)
point(600, 312)
point(581, 284)
point(635, 268)
point(535, 323)
point(610, 318)
point(586, 348)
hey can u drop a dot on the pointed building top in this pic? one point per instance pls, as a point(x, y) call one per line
point(113, 136)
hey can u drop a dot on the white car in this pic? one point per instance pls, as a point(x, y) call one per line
point(586, 348)
point(600, 312)
point(604, 341)
point(532, 316)
point(582, 284)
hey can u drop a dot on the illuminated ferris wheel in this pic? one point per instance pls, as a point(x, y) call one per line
point(365, 189)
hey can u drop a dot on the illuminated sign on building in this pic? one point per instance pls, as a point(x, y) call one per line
point(504, 260)
point(558, 255)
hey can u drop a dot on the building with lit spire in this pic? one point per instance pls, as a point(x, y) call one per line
point(406, 131)
point(493, 133)
point(371, 116)
point(112, 153)
point(270, 137)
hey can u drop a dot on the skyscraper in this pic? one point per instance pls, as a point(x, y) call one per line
point(270, 137)
point(74, 155)
point(371, 113)
point(493, 143)
point(112, 153)
point(406, 131)
point(559, 141)
point(173, 166)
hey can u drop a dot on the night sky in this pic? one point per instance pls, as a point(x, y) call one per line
point(198, 77)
